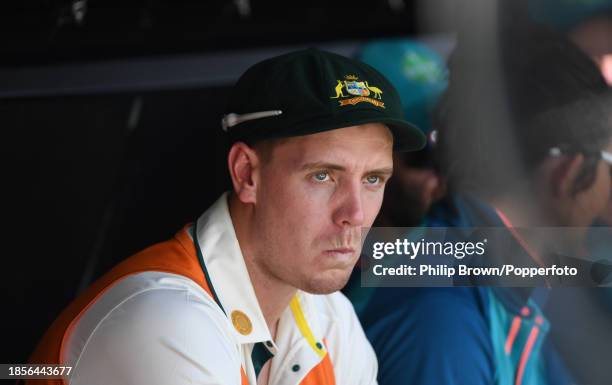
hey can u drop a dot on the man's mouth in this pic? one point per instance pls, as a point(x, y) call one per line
point(342, 250)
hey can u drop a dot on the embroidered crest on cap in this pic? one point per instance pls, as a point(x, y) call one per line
point(360, 89)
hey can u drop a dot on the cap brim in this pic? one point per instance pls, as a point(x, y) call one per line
point(406, 136)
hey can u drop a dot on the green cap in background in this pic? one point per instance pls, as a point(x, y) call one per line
point(310, 91)
point(418, 72)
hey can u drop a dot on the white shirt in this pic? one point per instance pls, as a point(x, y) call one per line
point(157, 328)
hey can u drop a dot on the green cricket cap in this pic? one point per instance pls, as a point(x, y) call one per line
point(310, 91)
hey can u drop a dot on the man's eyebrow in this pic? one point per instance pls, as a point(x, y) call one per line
point(332, 166)
point(383, 171)
point(322, 165)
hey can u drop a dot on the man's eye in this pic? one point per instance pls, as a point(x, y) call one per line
point(373, 179)
point(321, 176)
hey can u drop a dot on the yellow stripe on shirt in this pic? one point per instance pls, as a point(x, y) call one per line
point(300, 320)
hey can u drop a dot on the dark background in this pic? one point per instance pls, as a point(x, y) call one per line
point(110, 127)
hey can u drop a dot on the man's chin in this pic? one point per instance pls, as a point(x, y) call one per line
point(327, 283)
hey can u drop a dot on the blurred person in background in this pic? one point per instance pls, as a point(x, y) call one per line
point(420, 75)
point(588, 23)
point(524, 131)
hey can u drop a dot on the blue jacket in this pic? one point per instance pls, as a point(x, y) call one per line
point(462, 335)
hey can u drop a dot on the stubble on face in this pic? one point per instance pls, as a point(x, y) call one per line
point(309, 225)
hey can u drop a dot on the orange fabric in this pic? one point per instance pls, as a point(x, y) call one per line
point(533, 336)
point(176, 256)
point(243, 377)
point(322, 374)
point(514, 329)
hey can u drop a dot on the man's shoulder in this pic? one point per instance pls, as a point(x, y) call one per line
point(155, 292)
point(148, 306)
point(154, 317)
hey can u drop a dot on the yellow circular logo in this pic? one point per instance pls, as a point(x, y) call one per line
point(241, 322)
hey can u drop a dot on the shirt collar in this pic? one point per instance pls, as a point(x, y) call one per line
point(230, 279)
point(228, 274)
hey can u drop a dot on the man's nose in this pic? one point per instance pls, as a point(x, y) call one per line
point(349, 211)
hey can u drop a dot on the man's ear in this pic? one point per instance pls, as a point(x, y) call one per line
point(565, 174)
point(243, 164)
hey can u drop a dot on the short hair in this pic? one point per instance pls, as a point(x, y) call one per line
point(265, 148)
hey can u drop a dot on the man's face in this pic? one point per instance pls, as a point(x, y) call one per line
point(313, 196)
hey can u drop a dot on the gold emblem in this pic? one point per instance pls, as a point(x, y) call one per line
point(360, 89)
point(242, 323)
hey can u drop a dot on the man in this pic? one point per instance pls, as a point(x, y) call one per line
point(524, 142)
point(234, 298)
